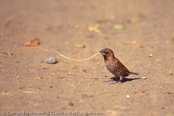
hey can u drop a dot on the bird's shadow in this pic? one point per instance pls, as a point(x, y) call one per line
point(116, 79)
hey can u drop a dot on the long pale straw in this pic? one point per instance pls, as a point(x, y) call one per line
point(76, 59)
point(62, 54)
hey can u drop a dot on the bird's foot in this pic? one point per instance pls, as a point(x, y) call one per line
point(109, 80)
point(112, 83)
point(119, 81)
point(116, 82)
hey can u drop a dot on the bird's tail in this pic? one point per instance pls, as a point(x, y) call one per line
point(133, 73)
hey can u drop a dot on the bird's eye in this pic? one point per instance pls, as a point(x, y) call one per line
point(106, 52)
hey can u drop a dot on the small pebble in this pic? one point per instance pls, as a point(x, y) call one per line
point(150, 55)
point(84, 70)
point(17, 77)
point(51, 59)
point(51, 86)
point(127, 96)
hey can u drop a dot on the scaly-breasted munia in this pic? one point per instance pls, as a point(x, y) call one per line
point(114, 65)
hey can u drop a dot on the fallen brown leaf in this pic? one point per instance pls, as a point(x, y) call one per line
point(46, 68)
point(38, 77)
point(60, 77)
point(173, 40)
point(102, 21)
point(163, 107)
point(70, 103)
point(93, 29)
point(170, 72)
point(33, 43)
point(8, 53)
point(140, 46)
point(133, 20)
point(170, 93)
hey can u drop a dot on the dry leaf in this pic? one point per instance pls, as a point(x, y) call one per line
point(8, 53)
point(118, 26)
point(140, 46)
point(164, 108)
point(37, 78)
point(80, 46)
point(73, 67)
point(28, 92)
point(170, 93)
point(173, 40)
point(46, 68)
point(61, 77)
point(33, 43)
point(93, 29)
point(70, 103)
point(170, 72)
point(13, 96)
point(133, 20)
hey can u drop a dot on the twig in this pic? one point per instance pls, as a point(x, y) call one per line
point(8, 21)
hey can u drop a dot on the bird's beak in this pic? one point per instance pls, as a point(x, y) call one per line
point(102, 52)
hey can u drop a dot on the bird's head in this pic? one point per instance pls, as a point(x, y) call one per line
point(107, 53)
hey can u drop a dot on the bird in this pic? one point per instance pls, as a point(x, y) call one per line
point(114, 65)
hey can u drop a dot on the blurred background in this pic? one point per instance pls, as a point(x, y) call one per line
point(141, 34)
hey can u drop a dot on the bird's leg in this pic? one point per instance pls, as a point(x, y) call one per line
point(120, 80)
point(111, 79)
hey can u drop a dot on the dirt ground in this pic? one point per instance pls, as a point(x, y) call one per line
point(144, 45)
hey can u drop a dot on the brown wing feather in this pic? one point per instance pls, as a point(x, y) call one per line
point(119, 64)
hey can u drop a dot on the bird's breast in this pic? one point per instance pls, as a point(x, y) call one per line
point(115, 70)
point(111, 67)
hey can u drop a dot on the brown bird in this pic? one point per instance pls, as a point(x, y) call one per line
point(114, 65)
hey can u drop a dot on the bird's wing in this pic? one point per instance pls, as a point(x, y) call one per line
point(120, 65)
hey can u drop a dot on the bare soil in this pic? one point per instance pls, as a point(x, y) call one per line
point(31, 86)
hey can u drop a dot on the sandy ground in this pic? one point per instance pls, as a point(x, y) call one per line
point(144, 45)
